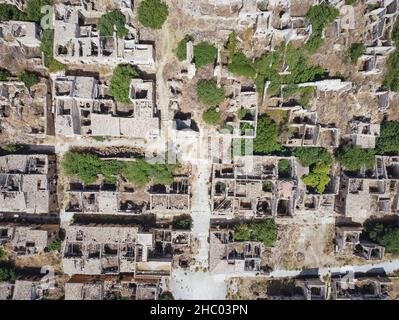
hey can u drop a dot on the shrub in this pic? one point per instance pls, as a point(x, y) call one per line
point(395, 32)
point(181, 50)
point(55, 245)
point(11, 148)
point(211, 116)
point(314, 42)
point(321, 15)
point(246, 129)
point(391, 78)
point(29, 79)
point(267, 186)
point(284, 168)
point(385, 235)
point(353, 158)
point(355, 51)
point(120, 82)
point(244, 114)
point(182, 224)
point(7, 274)
point(33, 9)
point(204, 53)
point(4, 74)
point(232, 43)
point(318, 178)
point(153, 13)
point(265, 231)
point(209, 93)
point(107, 22)
point(166, 296)
point(350, 2)
point(388, 141)
point(220, 187)
point(267, 132)
point(2, 253)
point(240, 65)
point(310, 156)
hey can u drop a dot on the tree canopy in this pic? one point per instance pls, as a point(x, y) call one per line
point(385, 235)
point(353, 158)
point(204, 53)
point(267, 132)
point(181, 50)
point(388, 141)
point(308, 156)
point(107, 22)
point(211, 116)
point(120, 82)
point(153, 13)
point(29, 79)
point(355, 51)
point(209, 93)
point(240, 65)
point(4, 74)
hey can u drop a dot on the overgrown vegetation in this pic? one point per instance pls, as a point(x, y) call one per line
point(384, 235)
point(46, 46)
point(120, 82)
point(284, 168)
point(2, 253)
point(31, 13)
point(181, 50)
point(166, 296)
point(318, 177)
point(267, 132)
point(310, 156)
point(11, 148)
point(88, 167)
point(211, 116)
point(267, 186)
point(391, 78)
point(353, 158)
point(107, 22)
point(209, 93)
point(355, 51)
point(319, 16)
point(55, 245)
point(388, 141)
point(4, 74)
point(204, 53)
point(265, 231)
point(153, 13)
point(184, 223)
point(240, 65)
point(28, 78)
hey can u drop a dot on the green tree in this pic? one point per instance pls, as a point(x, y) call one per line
point(267, 132)
point(385, 235)
point(353, 158)
point(211, 116)
point(28, 78)
point(310, 156)
point(2, 253)
point(182, 224)
point(240, 65)
point(140, 172)
point(388, 141)
point(33, 9)
point(284, 168)
point(181, 50)
point(209, 93)
point(153, 13)
point(7, 274)
point(120, 82)
point(55, 245)
point(204, 53)
point(107, 22)
point(11, 12)
point(166, 296)
point(318, 178)
point(232, 44)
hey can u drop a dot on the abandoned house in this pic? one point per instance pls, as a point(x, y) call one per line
point(228, 256)
point(20, 33)
point(82, 107)
point(27, 183)
point(370, 192)
point(28, 240)
point(77, 39)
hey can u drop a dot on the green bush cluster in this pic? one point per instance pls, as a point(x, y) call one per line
point(209, 93)
point(31, 13)
point(153, 13)
point(384, 235)
point(28, 78)
point(55, 245)
point(284, 168)
point(204, 53)
point(391, 77)
point(318, 177)
point(211, 116)
point(310, 156)
point(319, 17)
point(240, 65)
point(7, 274)
point(353, 158)
point(265, 231)
point(183, 224)
point(87, 167)
point(181, 50)
point(46, 46)
point(120, 82)
point(388, 141)
point(267, 132)
point(355, 51)
point(2, 253)
point(107, 22)
point(232, 44)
